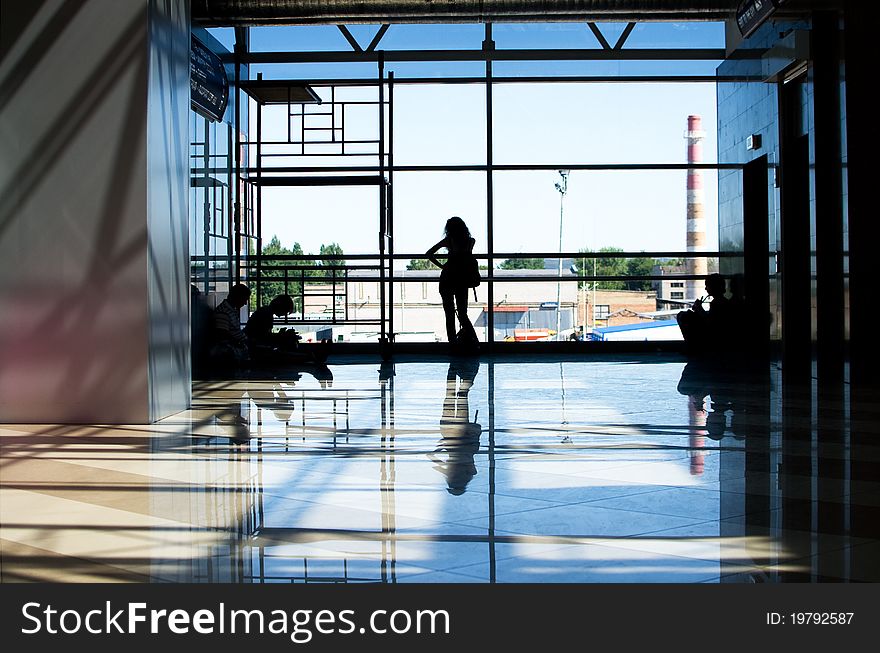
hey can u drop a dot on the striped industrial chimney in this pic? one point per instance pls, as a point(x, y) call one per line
point(696, 221)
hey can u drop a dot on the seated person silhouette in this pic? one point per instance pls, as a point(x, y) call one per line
point(267, 346)
point(230, 344)
point(259, 325)
point(460, 438)
point(709, 331)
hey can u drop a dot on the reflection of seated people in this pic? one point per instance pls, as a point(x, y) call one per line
point(322, 374)
point(698, 381)
point(235, 420)
point(733, 387)
point(460, 438)
point(230, 346)
point(386, 371)
point(708, 331)
point(275, 399)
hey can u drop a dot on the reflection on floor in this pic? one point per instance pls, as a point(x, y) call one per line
point(475, 470)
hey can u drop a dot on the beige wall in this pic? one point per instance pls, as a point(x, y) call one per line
point(93, 224)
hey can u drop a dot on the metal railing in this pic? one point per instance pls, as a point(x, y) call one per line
point(314, 280)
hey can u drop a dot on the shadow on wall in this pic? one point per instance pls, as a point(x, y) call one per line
point(73, 224)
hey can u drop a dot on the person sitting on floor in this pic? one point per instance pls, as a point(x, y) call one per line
point(703, 330)
point(283, 347)
point(230, 344)
point(259, 325)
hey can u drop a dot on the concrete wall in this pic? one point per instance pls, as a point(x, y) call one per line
point(93, 252)
point(167, 207)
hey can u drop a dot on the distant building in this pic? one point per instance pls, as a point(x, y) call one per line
point(521, 309)
point(604, 308)
point(671, 293)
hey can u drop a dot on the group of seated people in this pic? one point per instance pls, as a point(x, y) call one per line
point(220, 341)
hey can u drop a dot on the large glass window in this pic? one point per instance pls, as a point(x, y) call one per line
point(616, 126)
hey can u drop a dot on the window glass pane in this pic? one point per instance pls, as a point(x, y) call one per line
point(600, 123)
point(527, 311)
point(690, 34)
point(317, 135)
point(297, 38)
point(579, 35)
point(424, 201)
point(432, 69)
point(433, 37)
point(518, 36)
point(437, 124)
point(315, 71)
point(301, 214)
point(634, 210)
point(226, 36)
point(604, 68)
point(418, 308)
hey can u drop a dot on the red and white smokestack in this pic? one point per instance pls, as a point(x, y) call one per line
point(697, 436)
point(696, 221)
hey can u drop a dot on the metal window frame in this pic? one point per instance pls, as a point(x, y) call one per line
point(385, 166)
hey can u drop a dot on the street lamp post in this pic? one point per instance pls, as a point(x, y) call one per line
point(584, 288)
point(562, 187)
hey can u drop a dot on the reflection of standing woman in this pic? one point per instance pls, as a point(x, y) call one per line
point(460, 438)
point(456, 276)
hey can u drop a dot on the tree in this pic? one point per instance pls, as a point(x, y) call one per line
point(639, 267)
point(331, 255)
point(421, 264)
point(270, 270)
point(621, 267)
point(522, 264)
point(603, 267)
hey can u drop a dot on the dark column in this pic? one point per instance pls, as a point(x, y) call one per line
point(861, 239)
point(795, 234)
point(862, 149)
point(827, 178)
point(756, 248)
point(830, 315)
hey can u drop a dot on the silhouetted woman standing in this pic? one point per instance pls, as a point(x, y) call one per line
point(457, 275)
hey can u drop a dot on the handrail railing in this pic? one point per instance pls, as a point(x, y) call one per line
point(304, 263)
point(328, 291)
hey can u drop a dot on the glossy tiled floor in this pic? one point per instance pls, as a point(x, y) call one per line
point(491, 470)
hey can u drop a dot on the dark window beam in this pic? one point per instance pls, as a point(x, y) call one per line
point(599, 36)
point(623, 37)
point(653, 54)
point(242, 40)
point(352, 41)
point(378, 37)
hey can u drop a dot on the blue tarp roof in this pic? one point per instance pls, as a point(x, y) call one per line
point(633, 327)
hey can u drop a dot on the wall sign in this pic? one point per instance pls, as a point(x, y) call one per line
point(208, 86)
point(752, 13)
